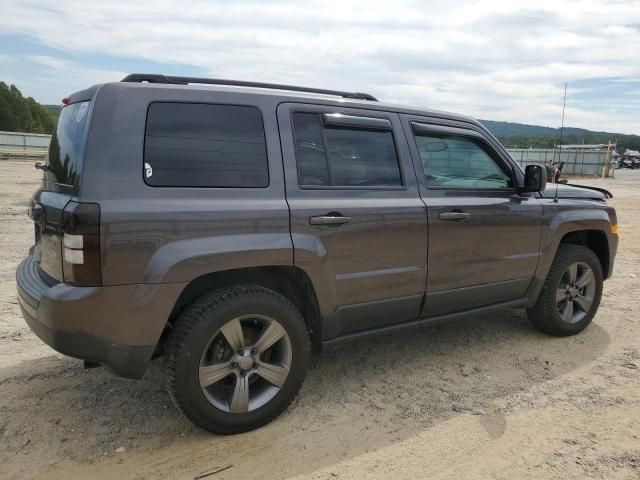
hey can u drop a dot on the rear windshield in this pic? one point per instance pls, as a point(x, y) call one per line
point(66, 148)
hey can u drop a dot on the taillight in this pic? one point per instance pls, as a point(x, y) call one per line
point(81, 244)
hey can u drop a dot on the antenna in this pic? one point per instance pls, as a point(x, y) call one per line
point(564, 104)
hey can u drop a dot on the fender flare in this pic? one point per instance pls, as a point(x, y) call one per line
point(188, 259)
point(563, 223)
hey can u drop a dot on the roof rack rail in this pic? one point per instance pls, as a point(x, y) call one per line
point(154, 78)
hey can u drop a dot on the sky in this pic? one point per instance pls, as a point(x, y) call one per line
point(497, 60)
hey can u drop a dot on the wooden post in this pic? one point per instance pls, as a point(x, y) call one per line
point(605, 167)
point(615, 149)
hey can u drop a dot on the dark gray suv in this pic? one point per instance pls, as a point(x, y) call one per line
point(236, 227)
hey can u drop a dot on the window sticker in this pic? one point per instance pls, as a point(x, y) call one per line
point(82, 110)
point(148, 171)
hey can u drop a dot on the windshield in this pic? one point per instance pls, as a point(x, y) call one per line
point(66, 148)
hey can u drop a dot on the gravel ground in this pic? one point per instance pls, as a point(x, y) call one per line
point(486, 397)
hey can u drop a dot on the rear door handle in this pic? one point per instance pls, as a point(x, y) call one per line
point(455, 215)
point(330, 220)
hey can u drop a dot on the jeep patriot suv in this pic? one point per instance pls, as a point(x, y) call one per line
point(235, 228)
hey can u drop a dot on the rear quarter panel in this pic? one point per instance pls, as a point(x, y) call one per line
point(167, 234)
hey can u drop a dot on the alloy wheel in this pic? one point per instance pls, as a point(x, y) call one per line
point(245, 363)
point(576, 292)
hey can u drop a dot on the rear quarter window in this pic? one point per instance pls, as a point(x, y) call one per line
point(67, 145)
point(204, 145)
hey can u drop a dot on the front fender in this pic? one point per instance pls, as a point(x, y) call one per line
point(572, 220)
point(560, 220)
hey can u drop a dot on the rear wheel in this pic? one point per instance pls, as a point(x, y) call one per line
point(571, 293)
point(237, 358)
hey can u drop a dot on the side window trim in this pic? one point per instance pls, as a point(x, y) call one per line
point(347, 120)
point(426, 128)
point(294, 137)
point(323, 136)
point(352, 121)
point(418, 127)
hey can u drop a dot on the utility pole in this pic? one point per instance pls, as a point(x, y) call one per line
point(564, 104)
point(607, 160)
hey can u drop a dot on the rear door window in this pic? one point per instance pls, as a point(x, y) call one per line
point(67, 145)
point(343, 155)
point(204, 145)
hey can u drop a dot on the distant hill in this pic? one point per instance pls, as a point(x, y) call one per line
point(25, 114)
point(510, 128)
point(523, 135)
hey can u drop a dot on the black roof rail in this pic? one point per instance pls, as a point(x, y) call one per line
point(154, 78)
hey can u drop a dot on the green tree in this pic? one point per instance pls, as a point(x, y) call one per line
point(20, 114)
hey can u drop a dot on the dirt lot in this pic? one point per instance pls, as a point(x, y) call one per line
point(487, 397)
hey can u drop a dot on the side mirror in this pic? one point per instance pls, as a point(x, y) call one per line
point(535, 178)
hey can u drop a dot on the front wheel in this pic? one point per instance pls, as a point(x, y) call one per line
point(571, 293)
point(237, 358)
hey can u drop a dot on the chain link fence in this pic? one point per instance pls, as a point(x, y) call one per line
point(23, 146)
point(576, 161)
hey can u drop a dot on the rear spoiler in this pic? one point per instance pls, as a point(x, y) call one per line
point(606, 193)
point(85, 95)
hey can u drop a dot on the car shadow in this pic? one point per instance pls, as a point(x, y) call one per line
point(360, 397)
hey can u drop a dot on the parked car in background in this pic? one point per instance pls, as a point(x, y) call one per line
point(630, 159)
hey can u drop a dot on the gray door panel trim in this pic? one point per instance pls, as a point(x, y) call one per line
point(374, 273)
point(363, 316)
point(460, 299)
point(423, 322)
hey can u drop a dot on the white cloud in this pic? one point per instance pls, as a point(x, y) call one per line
point(490, 59)
point(56, 77)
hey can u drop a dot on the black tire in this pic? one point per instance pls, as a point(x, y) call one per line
point(192, 334)
point(545, 313)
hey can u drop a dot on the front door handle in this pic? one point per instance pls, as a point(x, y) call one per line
point(454, 215)
point(329, 220)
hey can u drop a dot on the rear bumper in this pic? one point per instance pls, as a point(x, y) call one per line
point(123, 360)
point(117, 326)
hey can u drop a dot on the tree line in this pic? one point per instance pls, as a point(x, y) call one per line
point(522, 141)
point(20, 114)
